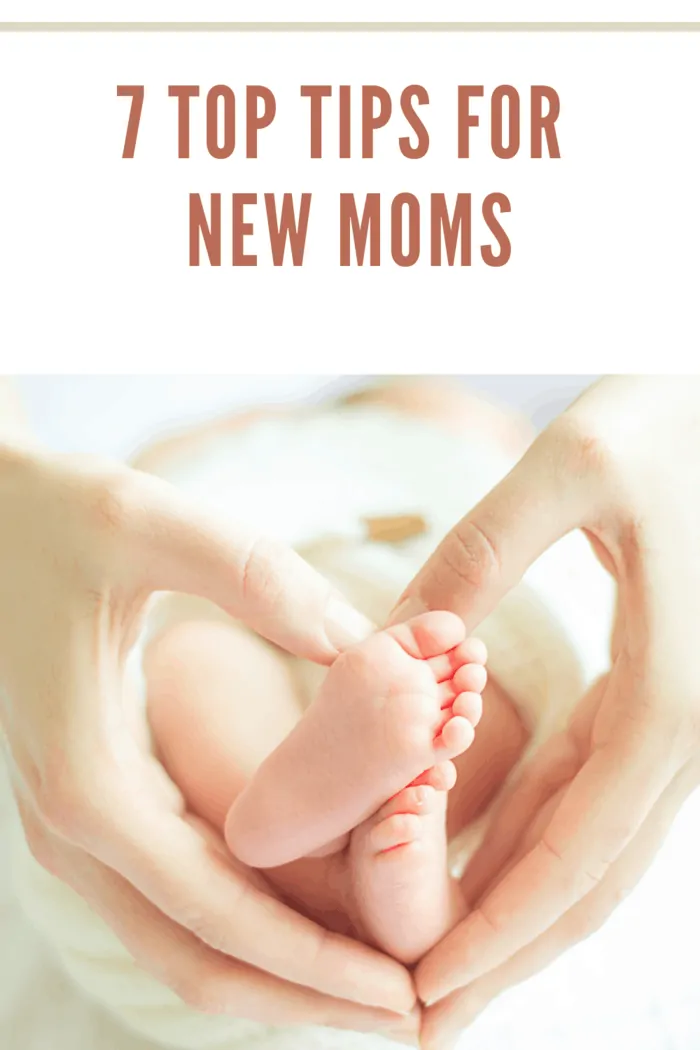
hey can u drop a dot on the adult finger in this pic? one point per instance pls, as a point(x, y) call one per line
point(553, 766)
point(255, 579)
point(486, 553)
point(444, 1021)
point(174, 866)
point(203, 978)
point(602, 810)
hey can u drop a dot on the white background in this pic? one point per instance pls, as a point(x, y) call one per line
point(93, 252)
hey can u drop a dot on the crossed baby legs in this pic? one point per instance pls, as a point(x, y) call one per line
point(364, 774)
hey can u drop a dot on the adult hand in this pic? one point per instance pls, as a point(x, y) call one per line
point(581, 825)
point(83, 544)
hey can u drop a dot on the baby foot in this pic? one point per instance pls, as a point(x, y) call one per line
point(398, 704)
point(405, 899)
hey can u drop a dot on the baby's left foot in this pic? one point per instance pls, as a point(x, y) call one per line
point(405, 898)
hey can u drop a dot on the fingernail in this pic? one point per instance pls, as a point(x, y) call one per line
point(344, 625)
point(407, 609)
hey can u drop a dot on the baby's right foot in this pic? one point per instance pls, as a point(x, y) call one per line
point(405, 899)
point(401, 702)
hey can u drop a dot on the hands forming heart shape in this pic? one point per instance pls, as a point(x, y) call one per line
point(83, 544)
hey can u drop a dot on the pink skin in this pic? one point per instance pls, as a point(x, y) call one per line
point(393, 707)
point(390, 887)
point(405, 896)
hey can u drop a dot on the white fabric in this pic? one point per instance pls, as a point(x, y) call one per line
point(328, 471)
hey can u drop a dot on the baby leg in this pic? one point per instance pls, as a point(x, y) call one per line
point(405, 898)
point(219, 701)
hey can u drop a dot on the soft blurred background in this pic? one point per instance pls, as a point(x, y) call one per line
point(112, 415)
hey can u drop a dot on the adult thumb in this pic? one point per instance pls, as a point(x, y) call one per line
point(489, 550)
point(255, 579)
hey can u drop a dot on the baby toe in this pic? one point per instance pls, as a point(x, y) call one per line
point(429, 634)
point(456, 735)
point(412, 799)
point(473, 651)
point(471, 678)
point(470, 706)
point(397, 830)
point(442, 777)
point(444, 665)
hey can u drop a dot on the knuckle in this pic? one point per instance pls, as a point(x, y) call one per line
point(662, 724)
point(317, 956)
point(575, 878)
point(582, 448)
point(471, 555)
point(111, 503)
point(261, 579)
point(491, 920)
point(593, 453)
point(199, 923)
